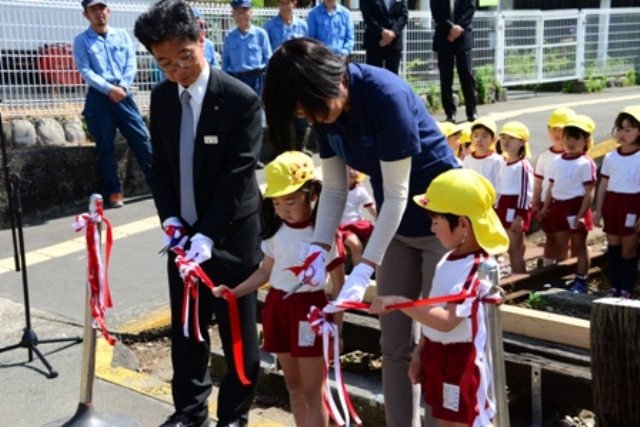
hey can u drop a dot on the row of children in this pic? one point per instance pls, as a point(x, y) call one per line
point(559, 190)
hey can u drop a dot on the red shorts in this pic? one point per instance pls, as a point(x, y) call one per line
point(282, 326)
point(511, 202)
point(617, 208)
point(561, 210)
point(445, 363)
point(362, 229)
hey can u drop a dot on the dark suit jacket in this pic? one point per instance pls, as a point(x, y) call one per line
point(226, 191)
point(376, 17)
point(463, 11)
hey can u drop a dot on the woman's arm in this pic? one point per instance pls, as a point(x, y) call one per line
point(335, 187)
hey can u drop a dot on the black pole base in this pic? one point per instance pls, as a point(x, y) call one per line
point(87, 416)
point(30, 341)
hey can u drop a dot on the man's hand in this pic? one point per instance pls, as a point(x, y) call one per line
point(387, 37)
point(200, 250)
point(455, 32)
point(117, 94)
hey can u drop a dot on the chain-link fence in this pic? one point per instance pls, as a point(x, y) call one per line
point(38, 76)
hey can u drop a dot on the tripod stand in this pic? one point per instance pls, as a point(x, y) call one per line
point(29, 338)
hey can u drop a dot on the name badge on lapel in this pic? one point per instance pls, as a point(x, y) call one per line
point(211, 139)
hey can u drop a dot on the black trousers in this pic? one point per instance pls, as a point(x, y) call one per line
point(191, 383)
point(467, 80)
point(384, 57)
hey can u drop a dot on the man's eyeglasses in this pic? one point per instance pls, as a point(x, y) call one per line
point(183, 63)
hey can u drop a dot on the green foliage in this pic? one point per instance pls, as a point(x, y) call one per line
point(487, 85)
point(536, 301)
point(632, 76)
point(433, 98)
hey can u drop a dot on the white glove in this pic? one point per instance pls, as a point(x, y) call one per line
point(175, 234)
point(316, 272)
point(200, 250)
point(356, 284)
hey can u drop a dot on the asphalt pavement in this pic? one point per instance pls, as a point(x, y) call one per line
point(56, 276)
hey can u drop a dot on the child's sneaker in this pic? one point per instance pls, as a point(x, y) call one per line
point(624, 294)
point(579, 286)
point(613, 292)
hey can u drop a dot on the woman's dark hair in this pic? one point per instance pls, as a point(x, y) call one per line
point(166, 20)
point(271, 222)
point(577, 133)
point(303, 71)
point(632, 121)
point(453, 220)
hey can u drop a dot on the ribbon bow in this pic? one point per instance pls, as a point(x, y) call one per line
point(97, 272)
point(191, 273)
point(322, 327)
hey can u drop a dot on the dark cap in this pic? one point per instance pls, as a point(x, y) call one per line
point(89, 3)
point(241, 3)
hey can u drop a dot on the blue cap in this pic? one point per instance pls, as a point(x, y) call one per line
point(88, 3)
point(241, 3)
point(195, 11)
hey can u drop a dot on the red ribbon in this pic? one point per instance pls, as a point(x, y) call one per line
point(97, 273)
point(192, 273)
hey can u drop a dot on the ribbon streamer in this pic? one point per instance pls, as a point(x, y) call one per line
point(322, 327)
point(97, 272)
point(191, 273)
point(476, 395)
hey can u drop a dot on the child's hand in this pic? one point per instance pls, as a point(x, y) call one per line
point(516, 225)
point(597, 217)
point(535, 209)
point(579, 222)
point(380, 304)
point(218, 291)
point(415, 368)
point(542, 213)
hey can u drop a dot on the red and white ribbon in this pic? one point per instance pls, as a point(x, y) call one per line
point(476, 395)
point(97, 272)
point(322, 327)
point(191, 274)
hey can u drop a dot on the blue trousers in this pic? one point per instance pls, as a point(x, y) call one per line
point(103, 117)
point(254, 82)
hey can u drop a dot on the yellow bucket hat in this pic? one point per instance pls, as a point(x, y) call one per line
point(465, 135)
point(448, 128)
point(487, 123)
point(582, 122)
point(287, 173)
point(559, 117)
point(465, 192)
point(520, 131)
point(633, 111)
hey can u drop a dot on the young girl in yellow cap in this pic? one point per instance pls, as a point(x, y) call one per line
point(460, 204)
point(541, 166)
point(483, 158)
point(618, 203)
point(515, 187)
point(289, 211)
point(567, 205)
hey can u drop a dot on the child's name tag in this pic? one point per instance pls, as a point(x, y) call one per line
point(630, 220)
point(572, 222)
point(511, 215)
point(450, 397)
point(306, 336)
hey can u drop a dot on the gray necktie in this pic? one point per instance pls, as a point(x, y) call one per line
point(187, 201)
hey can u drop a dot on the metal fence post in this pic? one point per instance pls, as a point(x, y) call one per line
point(494, 350)
point(500, 56)
point(581, 39)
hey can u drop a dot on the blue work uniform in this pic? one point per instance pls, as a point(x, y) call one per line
point(105, 61)
point(335, 28)
point(387, 121)
point(279, 32)
point(245, 56)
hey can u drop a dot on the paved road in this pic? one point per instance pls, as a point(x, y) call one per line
point(56, 275)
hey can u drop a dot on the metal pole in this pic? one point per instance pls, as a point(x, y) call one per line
point(88, 369)
point(489, 271)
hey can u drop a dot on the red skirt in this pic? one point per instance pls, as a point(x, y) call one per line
point(362, 229)
point(445, 364)
point(620, 212)
point(285, 327)
point(505, 203)
point(561, 211)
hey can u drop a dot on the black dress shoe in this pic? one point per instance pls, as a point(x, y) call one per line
point(451, 118)
point(180, 419)
point(472, 117)
point(235, 423)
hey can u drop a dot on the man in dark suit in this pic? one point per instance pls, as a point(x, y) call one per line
point(453, 40)
point(385, 20)
point(206, 133)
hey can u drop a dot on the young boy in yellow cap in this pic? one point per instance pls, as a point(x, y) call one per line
point(567, 205)
point(452, 132)
point(555, 126)
point(516, 190)
point(618, 203)
point(460, 204)
point(483, 158)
